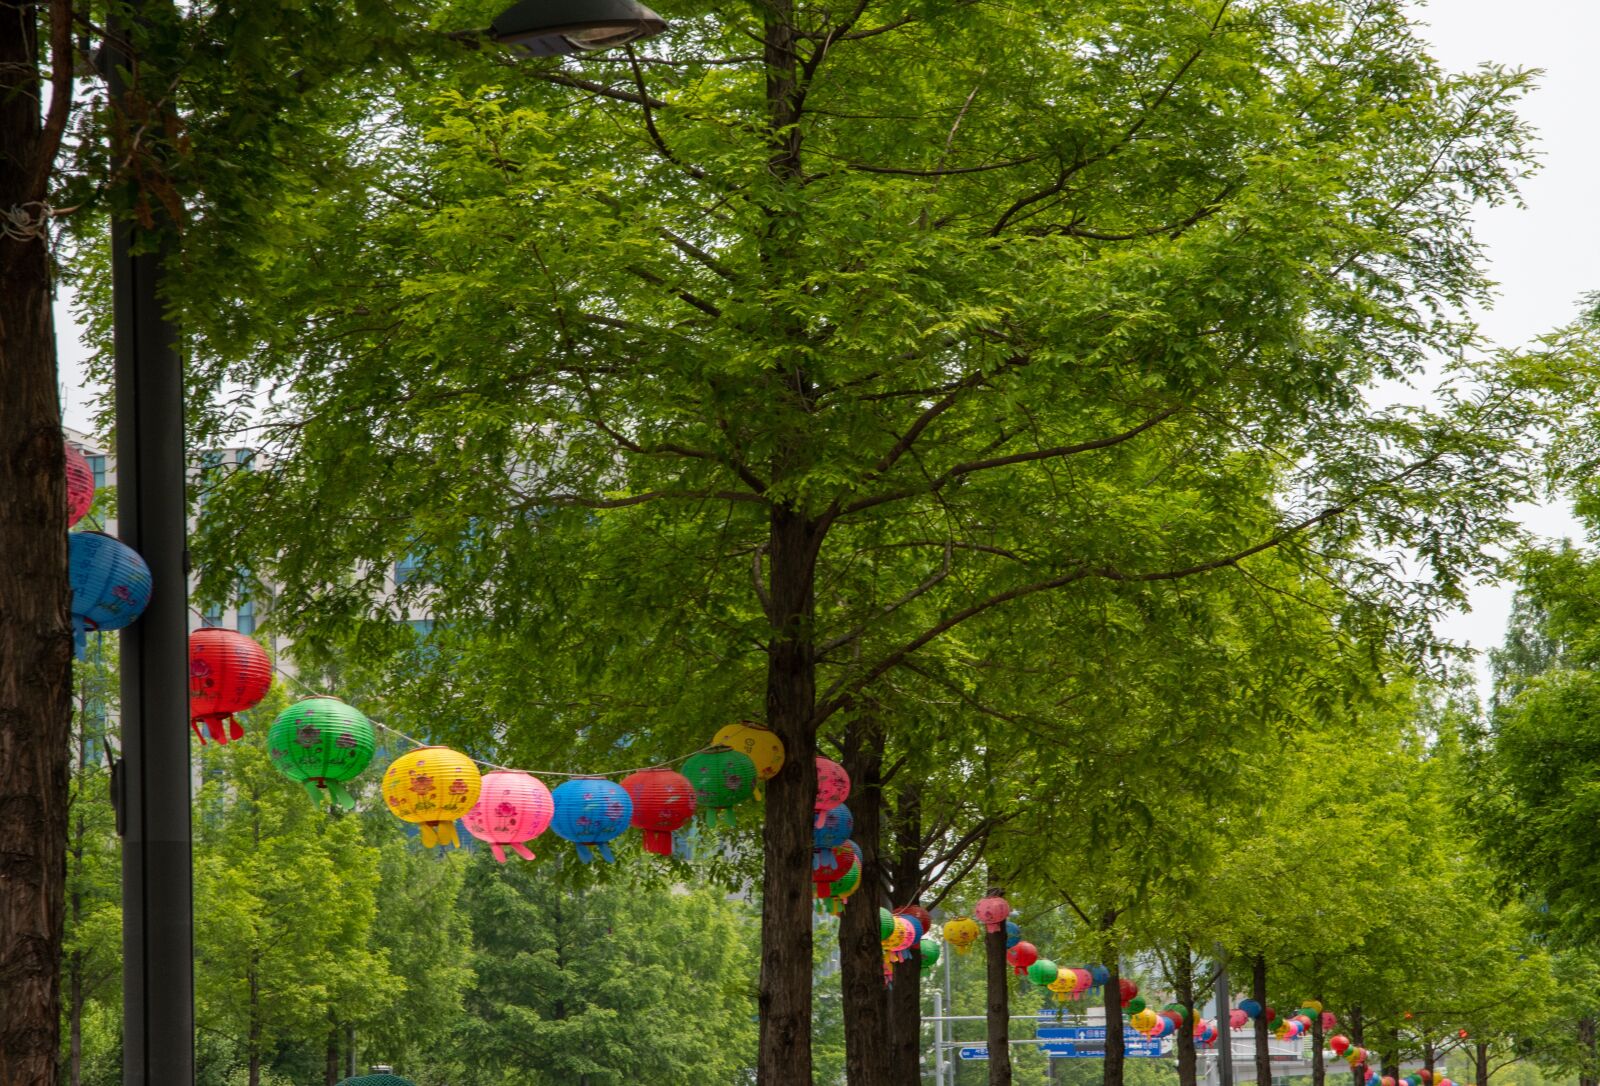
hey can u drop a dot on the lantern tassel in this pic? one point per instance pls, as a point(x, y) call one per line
point(728, 816)
point(658, 842)
point(341, 795)
point(521, 850)
point(80, 638)
point(584, 855)
point(214, 726)
point(446, 834)
point(430, 838)
point(605, 852)
point(499, 853)
point(194, 726)
point(235, 729)
point(313, 788)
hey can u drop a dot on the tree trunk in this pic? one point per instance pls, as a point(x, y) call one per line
point(1427, 1059)
point(1258, 992)
point(866, 1007)
point(332, 1071)
point(1483, 1063)
point(1391, 1055)
point(1319, 1073)
point(1112, 1065)
point(785, 994)
point(905, 998)
point(1183, 989)
point(1357, 1035)
point(998, 1008)
point(35, 642)
point(1587, 1072)
point(253, 1041)
point(350, 1052)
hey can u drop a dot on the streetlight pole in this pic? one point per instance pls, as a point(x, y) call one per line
point(1224, 1027)
point(151, 782)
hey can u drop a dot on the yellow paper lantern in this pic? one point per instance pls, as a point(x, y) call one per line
point(1145, 1021)
point(1064, 984)
point(432, 786)
point(961, 933)
point(1314, 1005)
point(762, 745)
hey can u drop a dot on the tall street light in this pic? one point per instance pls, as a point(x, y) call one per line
point(150, 783)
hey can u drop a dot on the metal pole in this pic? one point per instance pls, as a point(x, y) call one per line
point(152, 780)
point(949, 1004)
point(1224, 1029)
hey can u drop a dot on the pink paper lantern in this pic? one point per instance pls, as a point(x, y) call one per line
point(1329, 1021)
point(833, 787)
point(80, 486)
point(991, 912)
point(1237, 1018)
point(512, 809)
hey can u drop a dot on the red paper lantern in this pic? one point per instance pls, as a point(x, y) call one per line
point(1270, 1013)
point(1021, 956)
point(228, 673)
point(1127, 988)
point(663, 801)
point(829, 865)
point(919, 914)
point(80, 486)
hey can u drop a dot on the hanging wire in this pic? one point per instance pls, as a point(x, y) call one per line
point(397, 733)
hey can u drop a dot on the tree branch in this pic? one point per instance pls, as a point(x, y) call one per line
point(890, 608)
point(55, 122)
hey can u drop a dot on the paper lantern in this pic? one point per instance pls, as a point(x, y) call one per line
point(1314, 1006)
point(1126, 989)
point(831, 895)
point(1063, 985)
point(1135, 1005)
point(1099, 975)
point(722, 779)
point(991, 912)
point(663, 802)
point(591, 812)
point(1021, 956)
point(1237, 1018)
point(761, 745)
point(228, 673)
point(1425, 1075)
point(831, 864)
point(916, 925)
point(432, 786)
point(1043, 972)
point(961, 933)
point(110, 584)
point(901, 938)
point(1145, 1021)
point(1339, 1043)
point(885, 923)
point(835, 828)
point(513, 808)
point(1013, 933)
point(1268, 1012)
point(919, 914)
point(1082, 981)
point(833, 786)
point(1251, 1008)
point(80, 485)
point(323, 743)
point(1179, 1010)
point(1329, 1020)
point(930, 953)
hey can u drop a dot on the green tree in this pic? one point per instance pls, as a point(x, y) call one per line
point(595, 985)
point(655, 359)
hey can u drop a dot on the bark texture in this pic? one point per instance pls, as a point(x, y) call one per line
point(1183, 985)
point(35, 632)
point(1483, 1064)
point(866, 1006)
point(785, 994)
point(1258, 992)
point(1113, 1063)
point(998, 1008)
point(905, 999)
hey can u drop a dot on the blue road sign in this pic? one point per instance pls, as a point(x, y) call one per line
point(1067, 1050)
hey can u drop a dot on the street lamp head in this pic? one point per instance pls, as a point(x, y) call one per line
point(550, 28)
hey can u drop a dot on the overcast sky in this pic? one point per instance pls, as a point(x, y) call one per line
point(1544, 256)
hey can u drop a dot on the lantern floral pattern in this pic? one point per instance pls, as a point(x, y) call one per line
point(322, 743)
point(228, 673)
point(433, 787)
point(961, 933)
point(80, 485)
point(110, 585)
point(591, 812)
point(833, 787)
point(722, 779)
point(513, 808)
point(663, 803)
point(991, 912)
point(761, 745)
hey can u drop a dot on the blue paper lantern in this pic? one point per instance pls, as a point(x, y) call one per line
point(1250, 1007)
point(1098, 975)
point(837, 825)
point(589, 812)
point(1013, 934)
point(110, 584)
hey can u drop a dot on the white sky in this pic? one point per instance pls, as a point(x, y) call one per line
point(1544, 256)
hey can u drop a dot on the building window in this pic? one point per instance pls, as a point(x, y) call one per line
point(97, 464)
point(422, 627)
point(212, 616)
point(247, 617)
point(408, 569)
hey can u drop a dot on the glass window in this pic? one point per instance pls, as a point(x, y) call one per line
point(408, 569)
point(246, 623)
point(213, 615)
point(97, 464)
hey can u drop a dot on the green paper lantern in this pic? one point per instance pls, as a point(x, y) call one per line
point(885, 924)
point(322, 743)
point(1182, 1012)
point(1135, 1005)
point(1043, 972)
point(722, 778)
point(930, 953)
